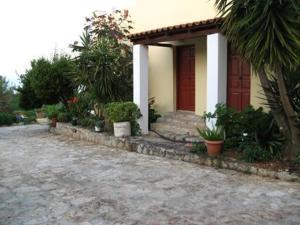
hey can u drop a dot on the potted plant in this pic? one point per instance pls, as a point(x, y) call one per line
point(99, 125)
point(52, 112)
point(53, 117)
point(214, 139)
point(123, 115)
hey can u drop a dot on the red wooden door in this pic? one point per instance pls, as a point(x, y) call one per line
point(239, 80)
point(186, 78)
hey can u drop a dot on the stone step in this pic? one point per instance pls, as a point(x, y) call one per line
point(179, 126)
point(181, 123)
point(175, 129)
point(176, 137)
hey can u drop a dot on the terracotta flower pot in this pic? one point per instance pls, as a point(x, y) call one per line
point(53, 122)
point(214, 147)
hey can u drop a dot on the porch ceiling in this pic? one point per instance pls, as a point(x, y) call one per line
point(177, 32)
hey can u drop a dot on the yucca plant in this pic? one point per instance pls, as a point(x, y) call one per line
point(266, 33)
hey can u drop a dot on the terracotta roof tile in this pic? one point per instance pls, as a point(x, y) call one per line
point(174, 28)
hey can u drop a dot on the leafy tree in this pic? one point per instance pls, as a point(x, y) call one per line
point(47, 82)
point(267, 34)
point(104, 58)
point(28, 99)
point(5, 95)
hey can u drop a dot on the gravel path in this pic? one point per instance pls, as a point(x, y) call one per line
point(48, 179)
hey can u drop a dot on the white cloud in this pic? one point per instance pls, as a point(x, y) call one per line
point(33, 28)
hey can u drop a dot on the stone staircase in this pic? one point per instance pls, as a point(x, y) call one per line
point(179, 126)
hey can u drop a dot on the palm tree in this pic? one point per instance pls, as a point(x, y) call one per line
point(267, 34)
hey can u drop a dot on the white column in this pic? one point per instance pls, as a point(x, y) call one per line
point(216, 72)
point(140, 83)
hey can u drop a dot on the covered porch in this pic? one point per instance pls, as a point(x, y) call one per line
point(194, 76)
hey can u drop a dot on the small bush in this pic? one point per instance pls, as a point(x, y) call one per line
point(29, 120)
point(199, 148)
point(255, 153)
point(63, 117)
point(80, 105)
point(88, 122)
point(252, 131)
point(124, 112)
point(6, 119)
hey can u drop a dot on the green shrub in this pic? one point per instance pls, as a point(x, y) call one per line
point(124, 112)
point(199, 148)
point(251, 127)
point(88, 122)
point(255, 153)
point(6, 119)
point(29, 120)
point(80, 105)
point(63, 117)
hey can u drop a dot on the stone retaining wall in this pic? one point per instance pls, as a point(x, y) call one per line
point(144, 145)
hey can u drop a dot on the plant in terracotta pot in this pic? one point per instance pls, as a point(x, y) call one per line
point(52, 112)
point(52, 115)
point(214, 140)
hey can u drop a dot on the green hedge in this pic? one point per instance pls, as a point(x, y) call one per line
point(6, 119)
point(122, 111)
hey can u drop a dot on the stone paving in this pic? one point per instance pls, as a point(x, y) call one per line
point(49, 179)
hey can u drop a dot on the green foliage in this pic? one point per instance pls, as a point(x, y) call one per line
point(88, 122)
point(153, 115)
point(25, 117)
point(63, 117)
point(100, 123)
point(124, 112)
point(47, 82)
point(80, 106)
point(214, 134)
point(52, 111)
point(249, 129)
point(29, 120)
point(292, 81)
point(255, 153)
point(199, 148)
point(14, 102)
point(264, 32)
point(6, 119)
point(28, 99)
point(6, 96)
point(105, 59)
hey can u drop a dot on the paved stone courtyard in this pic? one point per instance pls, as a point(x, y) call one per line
point(47, 179)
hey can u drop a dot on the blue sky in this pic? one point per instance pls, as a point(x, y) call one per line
point(33, 28)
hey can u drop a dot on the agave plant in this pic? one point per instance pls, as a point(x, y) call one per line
point(214, 134)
